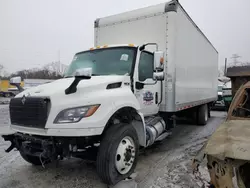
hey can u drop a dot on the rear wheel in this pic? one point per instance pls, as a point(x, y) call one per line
point(202, 115)
point(34, 159)
point(209, 110)
point(118, 152)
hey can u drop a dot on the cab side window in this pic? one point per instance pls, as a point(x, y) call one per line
point(146, 66)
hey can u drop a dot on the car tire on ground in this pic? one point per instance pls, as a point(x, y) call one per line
point(202, 115)
point(33, 159)
point(118, 152)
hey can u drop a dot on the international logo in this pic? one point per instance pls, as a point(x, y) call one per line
point(23, 99)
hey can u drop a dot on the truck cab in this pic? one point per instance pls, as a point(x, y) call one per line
point(103, 86)
point(220, 101)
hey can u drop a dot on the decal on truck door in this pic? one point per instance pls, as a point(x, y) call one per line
point(148, 98)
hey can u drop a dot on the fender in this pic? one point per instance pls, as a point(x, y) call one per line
point(137, 122)
point(140, 128)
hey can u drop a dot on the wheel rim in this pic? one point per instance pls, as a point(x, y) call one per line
point(125, 155)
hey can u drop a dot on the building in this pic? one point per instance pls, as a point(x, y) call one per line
point(239, 76)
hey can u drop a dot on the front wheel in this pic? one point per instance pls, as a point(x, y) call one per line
point(118, 152)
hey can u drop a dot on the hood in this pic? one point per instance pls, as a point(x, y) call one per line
point(59, 86)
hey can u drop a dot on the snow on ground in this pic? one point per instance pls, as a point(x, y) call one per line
point(4, 100)
point(164, 165)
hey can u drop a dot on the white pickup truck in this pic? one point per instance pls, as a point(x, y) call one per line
point(118, 97)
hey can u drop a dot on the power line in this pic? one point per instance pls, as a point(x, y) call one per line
point(235, 58)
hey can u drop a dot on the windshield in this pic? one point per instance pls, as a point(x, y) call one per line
point(108, 61)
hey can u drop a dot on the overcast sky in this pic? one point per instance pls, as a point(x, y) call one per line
point(33, 32)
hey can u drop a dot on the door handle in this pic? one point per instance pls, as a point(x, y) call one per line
point(156, 97)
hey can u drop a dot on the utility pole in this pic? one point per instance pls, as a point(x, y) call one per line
point(225, 68)
point(235, 58)
point(59, 56)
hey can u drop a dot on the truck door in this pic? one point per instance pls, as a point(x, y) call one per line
point(149, 96)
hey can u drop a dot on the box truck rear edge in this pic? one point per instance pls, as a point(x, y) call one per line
point(120, 96)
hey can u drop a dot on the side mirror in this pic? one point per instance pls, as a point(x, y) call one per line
point(15, 80)
point(80, 74)
point(159, 76)
point(158, 60)
point(87, 72)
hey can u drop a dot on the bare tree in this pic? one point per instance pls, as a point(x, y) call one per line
point(1, 70)
point(3, 73)
point(221, 71)
point(37, 74)
point(56, 67)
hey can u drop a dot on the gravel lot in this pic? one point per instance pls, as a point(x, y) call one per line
point(167, 164)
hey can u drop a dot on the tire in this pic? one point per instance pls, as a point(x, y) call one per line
point(202, 115)
point(33, 159)
point(209, 111)
point(118, 142)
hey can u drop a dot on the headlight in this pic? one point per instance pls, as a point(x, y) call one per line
point(73, 115)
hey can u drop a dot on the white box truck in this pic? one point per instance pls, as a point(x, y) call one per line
point(147, 66)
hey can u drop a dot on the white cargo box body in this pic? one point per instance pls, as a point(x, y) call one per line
point(191, 61)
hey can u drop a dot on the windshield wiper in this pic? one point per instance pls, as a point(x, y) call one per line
point(73, 76)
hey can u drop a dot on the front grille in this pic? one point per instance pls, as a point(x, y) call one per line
point(29, 111)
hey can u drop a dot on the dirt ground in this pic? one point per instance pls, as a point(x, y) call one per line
point(164, 165)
